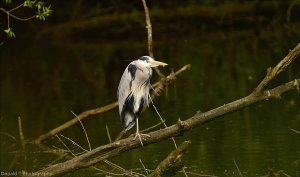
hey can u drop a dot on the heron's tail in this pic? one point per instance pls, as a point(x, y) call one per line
point(128, 121)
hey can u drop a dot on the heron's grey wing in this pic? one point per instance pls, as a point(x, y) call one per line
point(124, 88)
point(125, 97)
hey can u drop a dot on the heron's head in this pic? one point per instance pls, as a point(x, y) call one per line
point(147, 61)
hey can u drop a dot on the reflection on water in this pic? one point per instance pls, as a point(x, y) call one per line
point(42, 82)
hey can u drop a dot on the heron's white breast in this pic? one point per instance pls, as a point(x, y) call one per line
point(140, 94)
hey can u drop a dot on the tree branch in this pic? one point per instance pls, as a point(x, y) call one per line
point(149, 29)
point(115, 148)
point(172, 159)
point(281, 66)
point(8, 12)
point(149, 32)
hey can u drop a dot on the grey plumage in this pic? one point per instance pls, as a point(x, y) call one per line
point(133, 90)
point(133, 93)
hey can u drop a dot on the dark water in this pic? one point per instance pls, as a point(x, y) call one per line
point(41, 82)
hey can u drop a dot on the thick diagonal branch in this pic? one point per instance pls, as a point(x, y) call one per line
point(115, 148)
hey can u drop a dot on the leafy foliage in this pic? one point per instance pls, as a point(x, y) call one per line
point(42, 11)
point(29, 3)
point(10, 33)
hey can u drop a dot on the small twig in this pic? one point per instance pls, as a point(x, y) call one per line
point(16, 17)
point(296, 131)
point(149, 29)
point(108, 134)
point(120, 135)
point(162, 120)
point(58, 150)
point(65, 145)
point(149, 32)
point(22, 140)
point(20, 153)
point(240, 173)
point(186, 67)
point(281, 66)
point(184, 172)
point(11, 137)
point(86, 136)
point(56, 160)
point(297, 84)
point(145, 169)
point(74, 143)
point(289, 10)
point(153, 127)
point(21, 133)
point(13, 9)
point(115, 166)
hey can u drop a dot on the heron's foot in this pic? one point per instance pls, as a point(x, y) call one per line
point(139, 135)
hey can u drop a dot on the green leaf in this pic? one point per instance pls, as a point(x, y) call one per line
point(9, 32)
point(40, 16)
point(43, 12)
point(29, 3)
point(47, 11)
point(40, 5)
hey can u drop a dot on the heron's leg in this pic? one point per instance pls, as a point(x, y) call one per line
point(138, 134)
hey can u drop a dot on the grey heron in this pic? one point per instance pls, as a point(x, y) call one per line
point(133, 91)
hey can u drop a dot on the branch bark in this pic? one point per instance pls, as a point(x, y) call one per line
point(172, 159)
point(115, 148)
point(281, 66)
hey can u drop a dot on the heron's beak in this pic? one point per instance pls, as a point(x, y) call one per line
point(157, 63)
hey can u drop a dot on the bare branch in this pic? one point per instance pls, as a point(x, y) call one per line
point(86, 136)
point(22, 139)
point(145, 169)
point(170, 160)
point(237, 167)
point(16, 17)
point(281, 66)
point(149, 29)
point(115, 148)
point(149, 32)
